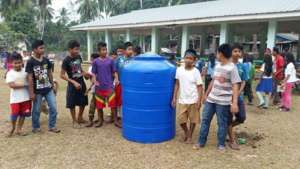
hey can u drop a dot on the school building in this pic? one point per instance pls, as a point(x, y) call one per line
point(257, 24)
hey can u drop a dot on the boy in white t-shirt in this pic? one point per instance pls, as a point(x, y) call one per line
point(19, 95)
point(189, 86)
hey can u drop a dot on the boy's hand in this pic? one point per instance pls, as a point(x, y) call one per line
point(204, 99)
point(199, 104)
point(174, 102)
point(77, 85)
point(234, 108)
point(32, 96)
point(116, 82)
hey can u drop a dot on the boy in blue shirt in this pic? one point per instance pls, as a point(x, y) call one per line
point(240, 117)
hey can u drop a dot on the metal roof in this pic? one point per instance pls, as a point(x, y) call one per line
point(203, 12)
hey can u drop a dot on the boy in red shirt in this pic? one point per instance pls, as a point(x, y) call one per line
point(278, 74)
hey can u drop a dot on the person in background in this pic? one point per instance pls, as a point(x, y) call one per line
point(240, 116)
point(20, 102)
point(76, 86)
point(120, 50)
point(91, 89)
point(189, 86)
point(210, 69)
point(221, 98)
point(40, 82)
point(114, 55)
point(137, 51)
point(105, 77)
point(250, 67)
point(120, 62)
point(278, 74)
point(8, 63)
point(288, 82)
point(265, 84)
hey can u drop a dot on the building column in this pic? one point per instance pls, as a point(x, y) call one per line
point(154, 40)
point(224, 33)
point(108, 40)
point(185, 40)
point(272, 30)
point(128, 35)
point(142, 43)
point(89, 45)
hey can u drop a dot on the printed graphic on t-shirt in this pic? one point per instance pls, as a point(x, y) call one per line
point(76, 68)
point(41, 76)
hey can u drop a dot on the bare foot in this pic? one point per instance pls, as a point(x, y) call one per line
point(99, 124)
point(76, 125)
point(118, 124)
point(20, 133)
point(11, 133)
point(183, 139)
point(90, 124)
point(81, 121)
point(189, 141)
point(234, 146)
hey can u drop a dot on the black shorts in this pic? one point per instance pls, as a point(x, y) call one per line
point(240, 117)
point(76, 97)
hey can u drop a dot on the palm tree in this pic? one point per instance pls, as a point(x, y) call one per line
point(87, 10)
point(45, 14)
point(7, 7)
point(63, 16)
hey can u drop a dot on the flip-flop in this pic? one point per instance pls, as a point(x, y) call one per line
point(197, 147)
point(21, 134)
point(54, 130)
point(99, 124)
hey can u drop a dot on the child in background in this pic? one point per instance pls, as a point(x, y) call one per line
point(19, 95)
point(76, 86)
point(221, 98)
point(240, 116)
point(92, 107)
point(288, 82)
point(137, 51)
point(250, 67)
point(210, 69)
point(104, 77)
point(278, 74)
point(189, 85)
point(265, 85)
point(128, 54)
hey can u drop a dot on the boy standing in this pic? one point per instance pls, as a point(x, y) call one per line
point(278, 74)
point(221, 97)
point(240, 117)
point(19, 95)
point(105, 76)
point(40, 81)
point(92, 107)
point(76, 86)
point(189, 85)
point(120, 62)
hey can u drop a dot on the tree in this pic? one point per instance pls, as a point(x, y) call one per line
point(63, 17)
point(87, 10)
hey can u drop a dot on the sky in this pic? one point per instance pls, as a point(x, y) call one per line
point(57, 5)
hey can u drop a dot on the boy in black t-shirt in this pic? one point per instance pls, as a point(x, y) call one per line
point(76, 86)
point(40, 83)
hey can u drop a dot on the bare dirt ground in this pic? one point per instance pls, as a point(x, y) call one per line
point(272, 143)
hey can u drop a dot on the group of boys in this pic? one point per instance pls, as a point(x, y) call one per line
point(223, 96)
point(34, 83)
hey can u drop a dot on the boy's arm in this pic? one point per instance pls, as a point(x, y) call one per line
point(208, 91)
point(30, 86)
point(116, 76)
point(64, 77)
point(200, 93)
point(14, 85)
point(175, 94)
point(235, 90)
point(242, 87)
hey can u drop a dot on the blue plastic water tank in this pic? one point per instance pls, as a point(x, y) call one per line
point(147, 90)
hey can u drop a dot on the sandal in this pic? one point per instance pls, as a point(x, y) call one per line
point(234, 146)
point(54, 130)
point(99, 124)
point(197, 146)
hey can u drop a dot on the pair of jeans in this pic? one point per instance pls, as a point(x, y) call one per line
point(36, 110)
point(222, 112)
point(286, 100)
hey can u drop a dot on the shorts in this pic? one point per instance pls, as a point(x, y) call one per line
point(240, 117)
point(104, 97)
point(188, 112)
point(76, 97)
point(22, 109)
point(118, 91)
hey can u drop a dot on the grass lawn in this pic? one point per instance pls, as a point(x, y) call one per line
point(272, 142)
